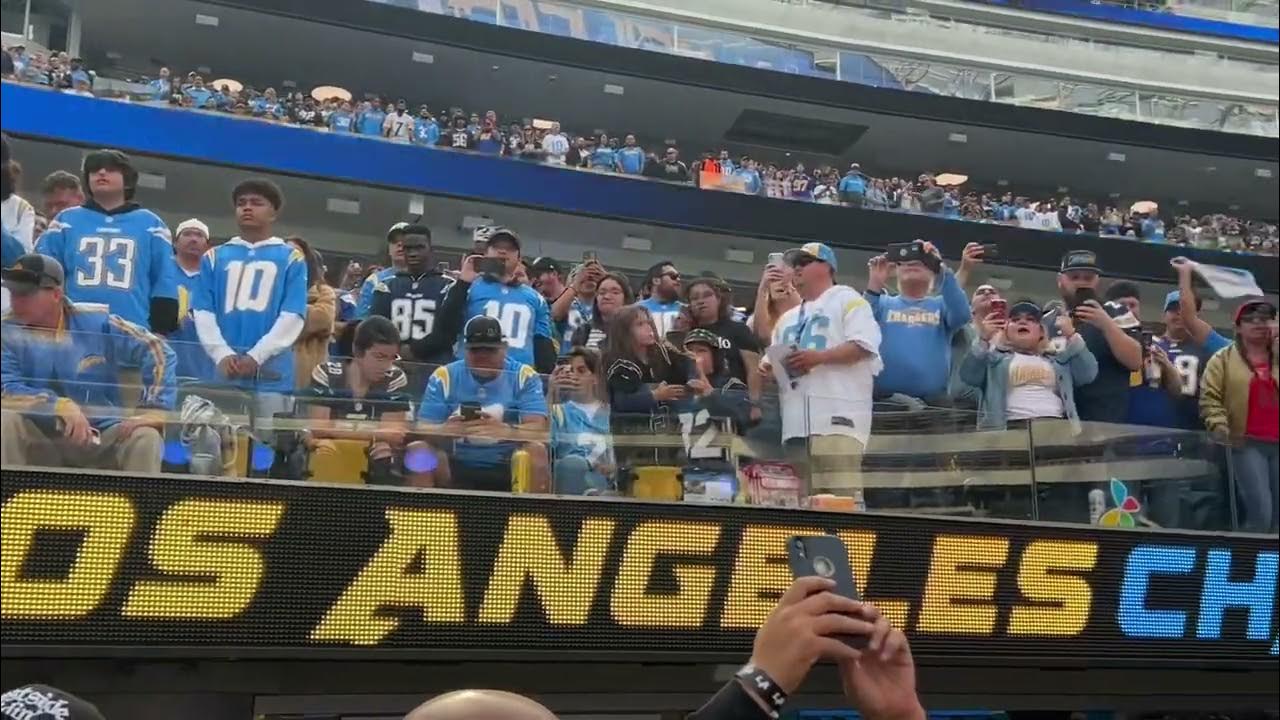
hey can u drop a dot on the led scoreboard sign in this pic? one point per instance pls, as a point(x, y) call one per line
point(93, 564)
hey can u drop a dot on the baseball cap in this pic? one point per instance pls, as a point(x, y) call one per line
point(42, 702)
point(395, 230)
point(815, 250)
point(545, 265)
point(192, 224)
point(1252, 307)
point(483, 331)
point(1080, 260)
point(33, 271)
point(1174, 299)
point(506, 234)
point(1025, 307)
point(702, 336)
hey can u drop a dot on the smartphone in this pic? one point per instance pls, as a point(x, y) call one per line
point(776, 259)
point(442, 267)
point(590, 256)
point(1000, 306)
point(825, 556)
point(470, 411)
point(904, 252)
point(490, 266)
point(1084, 295)
point(1147, 338)
point(990, 251)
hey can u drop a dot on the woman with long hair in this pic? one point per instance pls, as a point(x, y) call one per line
point(613, 293)
point(710, 309)
point(774, 296)
point(644, 372)
point(312, 346)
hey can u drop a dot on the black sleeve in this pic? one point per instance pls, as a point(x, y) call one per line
point(164, 315)
point(544, 354)
point(448, 323)
point(381, 304)
point(744, 339)
point(731, 703)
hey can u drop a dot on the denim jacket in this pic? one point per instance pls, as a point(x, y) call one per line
point(987, 368)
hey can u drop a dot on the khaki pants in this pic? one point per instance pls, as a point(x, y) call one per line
point(834, 462)
point(22, 443)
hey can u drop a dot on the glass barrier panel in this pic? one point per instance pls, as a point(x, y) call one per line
point(927, 460)
point(1130, 476)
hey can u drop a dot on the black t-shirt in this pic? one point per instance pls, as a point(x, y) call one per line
point(1106, 399)
point(734, 338)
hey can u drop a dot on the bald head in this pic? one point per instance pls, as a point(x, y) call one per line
point(480, 705)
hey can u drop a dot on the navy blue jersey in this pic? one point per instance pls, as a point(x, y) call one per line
point(1155, 406)
point(410, 303)
point(331, 388)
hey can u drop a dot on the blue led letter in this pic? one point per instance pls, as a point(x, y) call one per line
point(1135, 619)
point(1220, 593)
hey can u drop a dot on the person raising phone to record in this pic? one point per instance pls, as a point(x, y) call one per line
point(1109, 329)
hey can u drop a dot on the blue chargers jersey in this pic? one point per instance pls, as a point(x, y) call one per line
point(79, 363)
point(193, 361)
point(514, 395)
point(364, 302)
point(370, 122)
point(425, 132)
point(579, 312)
point(120, 259)
point(579, 430)
point(341, 121)
point(631, 159)
point(604, 158)
point(247, 287)
point(664, 313)
point(522, 312)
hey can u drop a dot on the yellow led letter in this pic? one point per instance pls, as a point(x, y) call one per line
point(760, 575)
point(1050, 576)
point(105, 520)
point(529, 549)
point(232, 565)
point(384, 581)
point(633, 606)
point(962, 568)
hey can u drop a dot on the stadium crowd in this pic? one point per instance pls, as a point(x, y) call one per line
point(515, 373)
point(545, 141)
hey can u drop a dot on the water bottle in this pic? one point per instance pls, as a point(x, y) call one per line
point(206, 451)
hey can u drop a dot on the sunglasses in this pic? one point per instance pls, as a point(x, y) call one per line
point(672, 275)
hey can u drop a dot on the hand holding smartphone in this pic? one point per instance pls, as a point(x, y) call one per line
point(1000, 306)
point(827, 557)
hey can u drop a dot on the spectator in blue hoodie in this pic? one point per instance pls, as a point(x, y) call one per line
point(631, 157)
point(342, 120)
point(916, 327)
point(853, 186)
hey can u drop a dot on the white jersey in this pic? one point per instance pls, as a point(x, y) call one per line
point(398, 128)
point(1026, 218)
point(830, 399)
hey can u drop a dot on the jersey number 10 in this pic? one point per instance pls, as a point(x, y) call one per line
point(249, 285)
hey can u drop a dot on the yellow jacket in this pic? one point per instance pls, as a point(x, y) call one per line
point(1224, 390)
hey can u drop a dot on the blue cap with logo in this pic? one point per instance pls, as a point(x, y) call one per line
point(1173, 298)
point(815, 250)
